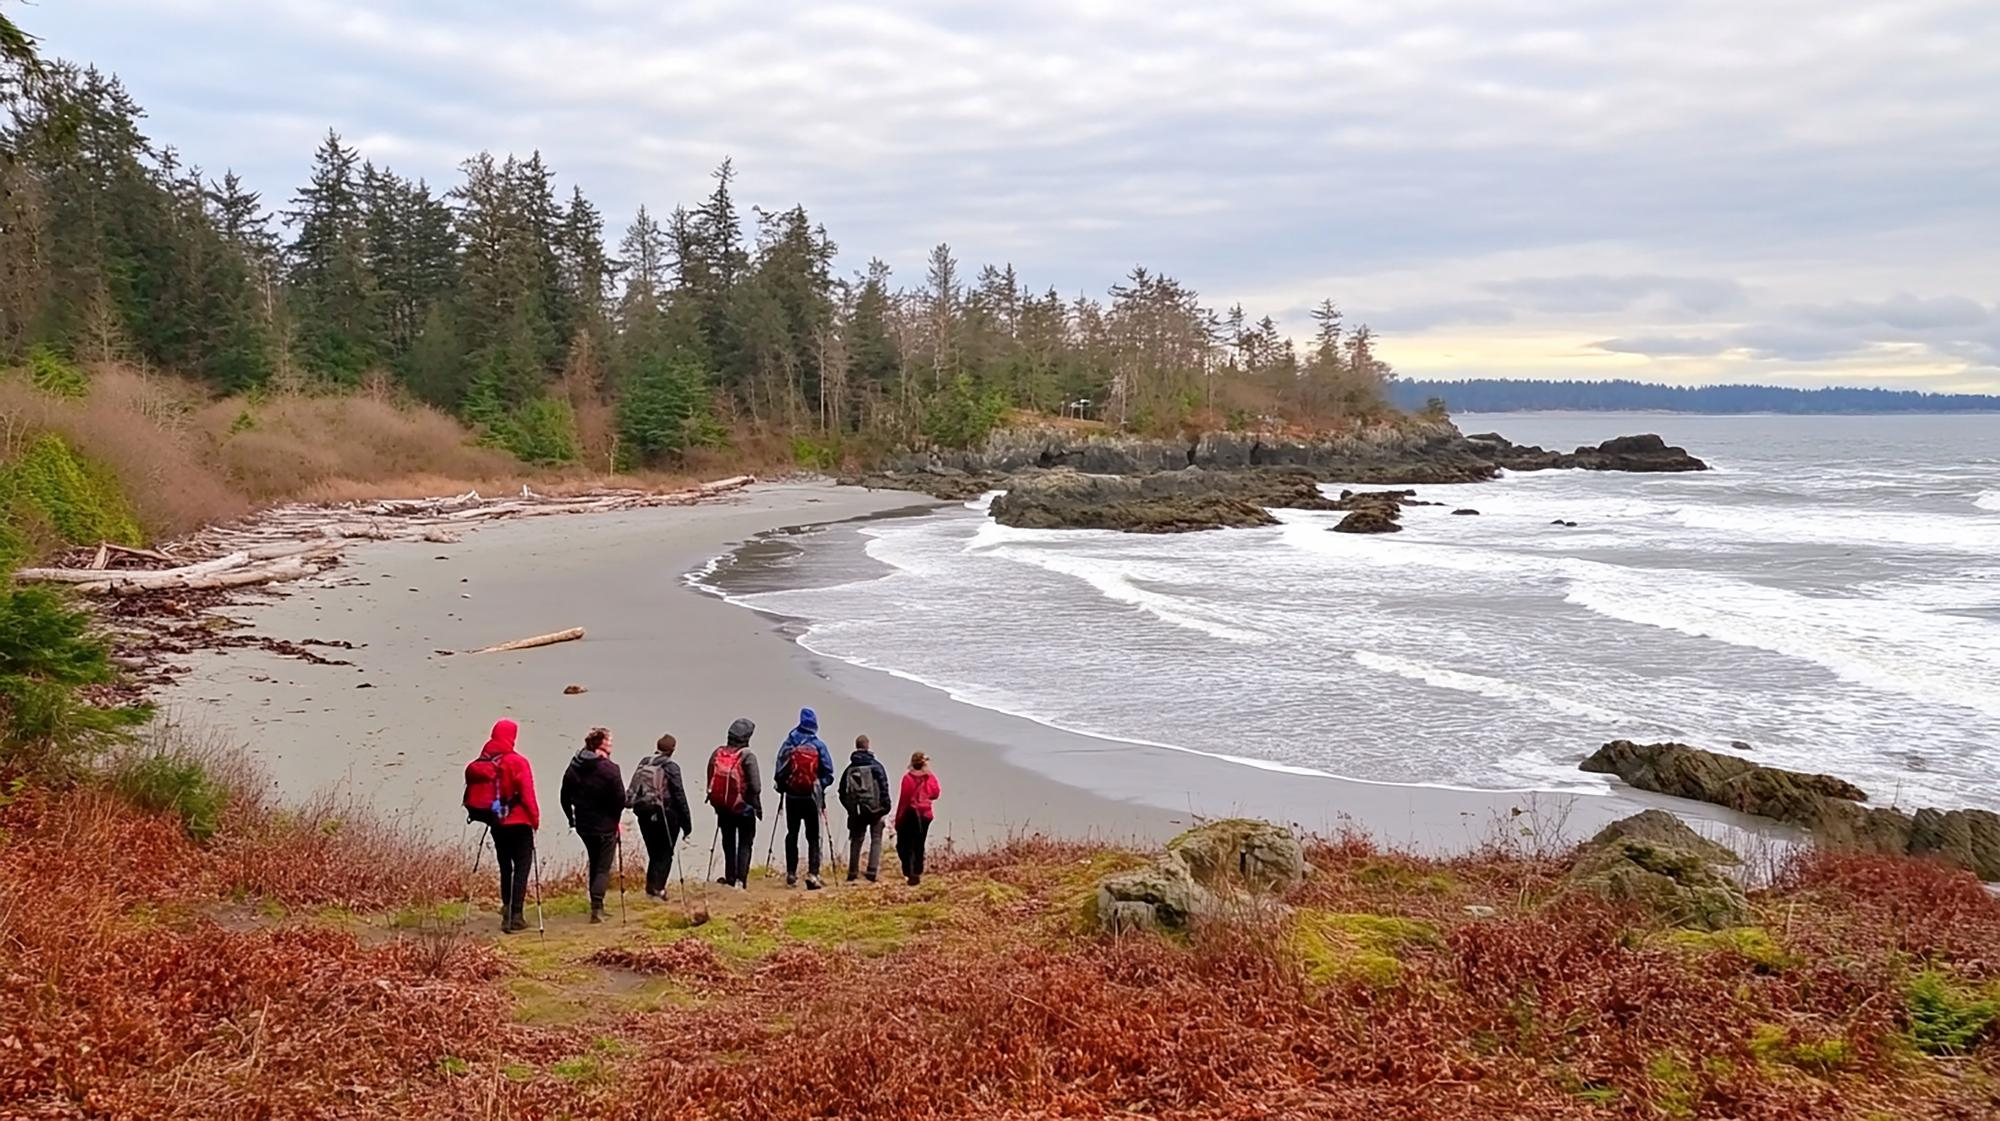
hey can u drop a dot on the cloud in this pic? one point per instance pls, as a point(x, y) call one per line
point(1674, 170)
point(1664, 346)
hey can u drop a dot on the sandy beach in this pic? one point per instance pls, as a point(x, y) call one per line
point(394, 729)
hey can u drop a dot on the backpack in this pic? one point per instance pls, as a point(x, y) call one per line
point(649, 785)
point(861, 794)
point(725, 780)
point(482, 791)
point(801, 770)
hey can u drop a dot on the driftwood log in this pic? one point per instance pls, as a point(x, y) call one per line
point(570, 635)
point(299, 540)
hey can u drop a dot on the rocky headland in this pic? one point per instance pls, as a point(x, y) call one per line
point(1071, 477)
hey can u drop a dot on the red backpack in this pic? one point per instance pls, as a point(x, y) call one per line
point(801, 769)
point(482, 791)
point(725, 780)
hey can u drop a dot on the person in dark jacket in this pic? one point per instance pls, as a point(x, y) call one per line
point(736, 822)
point(864, 791)
point(593, 798)
point(802, 772)
point(657, 798)
point(514, 833)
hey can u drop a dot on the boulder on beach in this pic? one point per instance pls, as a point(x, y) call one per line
point(1368, 521)
point(1647, 452)
point(1466, 511)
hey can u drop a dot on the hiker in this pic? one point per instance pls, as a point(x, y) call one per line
point(864, 790)
point(657, 798)
point(803, 770)
point(500, 794)
point(734, 791)
point(913, 816)
point(593, 798)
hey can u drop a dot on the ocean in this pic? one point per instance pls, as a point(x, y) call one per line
point(1829, 595)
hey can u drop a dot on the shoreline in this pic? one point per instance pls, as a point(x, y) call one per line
point(664, 654)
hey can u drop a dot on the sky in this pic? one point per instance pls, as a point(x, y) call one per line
point(1690, 191)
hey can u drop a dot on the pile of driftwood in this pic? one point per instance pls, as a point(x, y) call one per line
point(299, 540)
point(163, 604)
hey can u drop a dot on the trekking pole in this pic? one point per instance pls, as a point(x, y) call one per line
point(825, 833)
point(771, 844)
point(477, 852)
point(712, 841)
point(620, 835)
point(541, 918)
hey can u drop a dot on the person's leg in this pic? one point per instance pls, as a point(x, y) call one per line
point(923, 825)
point(855, 827)
point(659, 850)
point(515, 846)
point(906, 832)
point(811, 811)
point(598, 848)
point(503, 855)
point(746, 835)
point(792, 819)
point(875, 847)
point(725, 825)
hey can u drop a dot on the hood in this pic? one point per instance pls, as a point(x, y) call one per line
point(862, 757)
point(808, 721)
point(741, 731)
point(501, 742)
point(584, 758)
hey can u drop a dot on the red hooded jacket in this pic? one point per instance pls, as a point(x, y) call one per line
point(517, 778)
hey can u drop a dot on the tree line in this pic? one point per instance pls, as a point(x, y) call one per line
point(1501, 395)
point(500, 298)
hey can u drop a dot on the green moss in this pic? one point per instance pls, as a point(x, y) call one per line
point(1948, 1017)
point(1335, 946)
point(1403, 878)
point(426, 917)
point(1774, 1044)
point(1676, 1090)
point(869, 929)
point(518, 1072)
point(177, 783)
point(453, 1065)
point(1751, 942)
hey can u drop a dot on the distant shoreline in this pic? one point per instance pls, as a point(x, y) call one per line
point(1516, 395)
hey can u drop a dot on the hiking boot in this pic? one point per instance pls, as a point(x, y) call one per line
point(813, 884)
point(851, 877)
point(725, 881)
point(872, 877)
point(791, 881)
point(596, 915)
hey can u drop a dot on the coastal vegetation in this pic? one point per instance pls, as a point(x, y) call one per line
point(1503, 395)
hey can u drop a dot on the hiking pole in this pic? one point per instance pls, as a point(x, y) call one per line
point(620, 836)
point(710, 874)
point(478, 851)
point(825, 833)
point(541, 918)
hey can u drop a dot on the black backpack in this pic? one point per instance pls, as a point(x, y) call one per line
point(861, 793)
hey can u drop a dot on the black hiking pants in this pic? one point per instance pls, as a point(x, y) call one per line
point(801, 809)
point(912, 829)
point(602, 849)
point(739, 836)
point(515, 847)
point(870, 827)
point(659, 838)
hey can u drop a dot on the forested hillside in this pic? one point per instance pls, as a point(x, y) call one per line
point(1501, 395)
point(501, 298)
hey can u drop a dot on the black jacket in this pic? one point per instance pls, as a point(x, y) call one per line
point(753, 791)
point(676, 808)
point(867, 759)
point(593, 794)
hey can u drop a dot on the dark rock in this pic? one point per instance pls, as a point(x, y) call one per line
point(1623, 453)
point(1465, 511)
point(1559, 521)
point(1739, 745)
point(1372, 520)
point(1164, 502)
point(1829, 808)
point(1663, 828)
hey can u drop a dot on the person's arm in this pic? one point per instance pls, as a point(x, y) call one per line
point(566, 796)
point(678, 812)
point(708, 776)
point(613, 790)
point(524, 790)
point(930, 780)
point(825, 766)
point(753, 785)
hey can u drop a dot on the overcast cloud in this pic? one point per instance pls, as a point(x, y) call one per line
point(1794, 192)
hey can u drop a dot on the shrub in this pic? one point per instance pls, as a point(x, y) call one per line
point(166, 780)
point(54, 374)
point(48, 657)
point(815, 455)
point(963, 416)
point(78, 500)
point(1946, 1018)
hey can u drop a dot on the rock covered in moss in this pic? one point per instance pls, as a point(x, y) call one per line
point(1222, 864)
point(1681, 886)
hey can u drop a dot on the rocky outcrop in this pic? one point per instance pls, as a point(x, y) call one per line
point(1622, 453)
point(1656, 861)
point(1221, 864)
point(1829, 808)
point(1164, 502)
point(1372, 519)
point(947, 483)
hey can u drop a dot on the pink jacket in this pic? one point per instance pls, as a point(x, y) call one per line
point(919, 787)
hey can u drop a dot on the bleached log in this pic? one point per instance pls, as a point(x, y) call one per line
point(735, 482)
point(570, 635)
point(163, 576)
point(290, 568)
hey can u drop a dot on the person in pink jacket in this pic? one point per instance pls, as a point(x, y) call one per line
point(913, 816)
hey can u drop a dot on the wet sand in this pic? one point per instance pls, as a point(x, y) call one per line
point(395, 729)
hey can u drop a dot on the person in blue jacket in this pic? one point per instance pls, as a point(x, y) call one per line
point(804, 771)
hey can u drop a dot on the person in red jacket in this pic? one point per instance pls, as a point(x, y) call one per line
point(913, 816)
point(520, 816)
